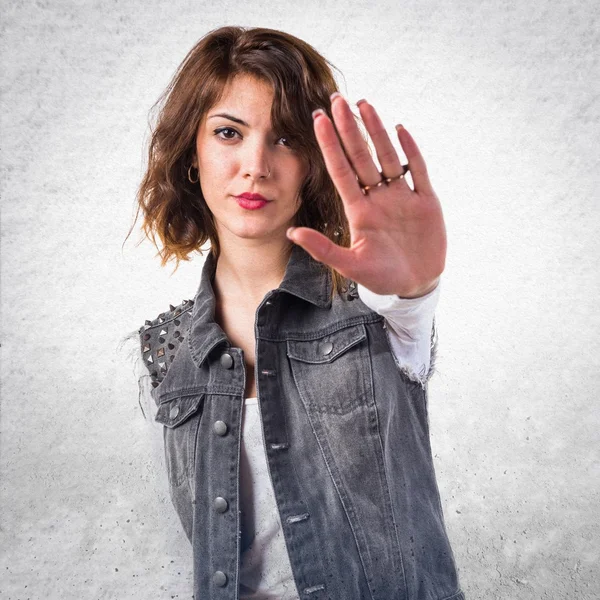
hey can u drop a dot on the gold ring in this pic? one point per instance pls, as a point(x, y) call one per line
point(387, 180)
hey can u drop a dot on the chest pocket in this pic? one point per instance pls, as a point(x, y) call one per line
point(333, 372)
point(181, 415)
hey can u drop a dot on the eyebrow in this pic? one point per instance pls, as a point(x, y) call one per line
point(231, 118)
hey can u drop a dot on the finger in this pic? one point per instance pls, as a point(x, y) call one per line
point(386, 153)
point(418, 168)
point(337, 164)
point(356, 146)
point(323, 249)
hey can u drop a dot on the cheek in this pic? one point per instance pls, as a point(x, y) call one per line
point(209, 170)
point(209, 164)
point(302, 174)
point(211, 156)
point(299, 169)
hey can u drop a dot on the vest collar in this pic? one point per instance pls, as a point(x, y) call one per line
point(304, 277)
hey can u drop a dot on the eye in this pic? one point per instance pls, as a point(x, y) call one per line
point(222, 130)
point(230, 130)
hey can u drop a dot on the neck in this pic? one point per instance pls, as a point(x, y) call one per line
point(248, 269)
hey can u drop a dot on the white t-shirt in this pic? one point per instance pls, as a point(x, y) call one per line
point(265, 571)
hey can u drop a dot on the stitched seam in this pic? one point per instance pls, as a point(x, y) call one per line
point(143, 328)
point(300, 336)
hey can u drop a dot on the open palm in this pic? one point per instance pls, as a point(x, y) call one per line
point(398, 236)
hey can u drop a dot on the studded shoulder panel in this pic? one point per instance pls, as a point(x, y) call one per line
point(350, 290)
point(161, 337)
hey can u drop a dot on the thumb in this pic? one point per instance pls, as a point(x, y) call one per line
point(321, 248)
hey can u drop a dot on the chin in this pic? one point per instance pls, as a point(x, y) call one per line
point(251, 233)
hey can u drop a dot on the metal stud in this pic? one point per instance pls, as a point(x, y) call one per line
point(352, 291)
point(171, 307)
point(171, 346)
point(220, 428)
point(163, 332)
point(162, 365)
point(146, 348)
point(177, 334)
point(161, 340)
point(226, 360)
point(161, 320)
point(155, 384)
point(160, 352)
point(220, 504)
point(181, 338)
point(326, 348)
point(177, 322)
point(148, 322)
point(150, 359)
point(147, 337)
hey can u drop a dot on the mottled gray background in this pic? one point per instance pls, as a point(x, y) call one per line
point(502, 98)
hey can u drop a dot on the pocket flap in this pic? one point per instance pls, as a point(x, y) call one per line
point(175, 411)
point(327, 348)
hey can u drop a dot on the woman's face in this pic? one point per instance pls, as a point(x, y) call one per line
point(234, 158)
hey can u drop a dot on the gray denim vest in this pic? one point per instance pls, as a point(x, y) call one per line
point(346, 436)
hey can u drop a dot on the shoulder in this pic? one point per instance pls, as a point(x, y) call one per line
point(161, 337)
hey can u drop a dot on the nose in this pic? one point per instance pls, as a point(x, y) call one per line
point(256, 162)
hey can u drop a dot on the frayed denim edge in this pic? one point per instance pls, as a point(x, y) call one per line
point(129, 347)
point(423, 378)
point(433, 346)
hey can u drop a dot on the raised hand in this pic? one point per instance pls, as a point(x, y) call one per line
point(398, 236)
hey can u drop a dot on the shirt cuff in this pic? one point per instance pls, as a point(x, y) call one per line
point(411, 318)
point(411, 329)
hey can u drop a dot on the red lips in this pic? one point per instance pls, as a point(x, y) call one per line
point(253, 197)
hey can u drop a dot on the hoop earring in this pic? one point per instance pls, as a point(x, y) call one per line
point(190, 176)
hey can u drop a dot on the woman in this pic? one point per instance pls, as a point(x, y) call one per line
point(311, 324)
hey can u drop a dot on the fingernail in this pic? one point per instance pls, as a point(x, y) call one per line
point(290, 231)
point(317, 112)
point(359, 102)
point(335, 95)
point(399, 127)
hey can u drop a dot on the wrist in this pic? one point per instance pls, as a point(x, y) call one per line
point(421, 291)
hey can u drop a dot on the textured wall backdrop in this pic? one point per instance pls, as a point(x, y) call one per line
point(502, 97)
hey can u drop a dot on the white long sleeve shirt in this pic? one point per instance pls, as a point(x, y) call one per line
point(265, 571)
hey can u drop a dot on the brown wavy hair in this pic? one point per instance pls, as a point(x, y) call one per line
point(174, 210)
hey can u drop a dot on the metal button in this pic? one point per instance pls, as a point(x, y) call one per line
point(219, 578)
point(268, 303)
point(226, 360)
point(327, 347)
point(174, 411)
point(220, 504)
point(220, 427)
